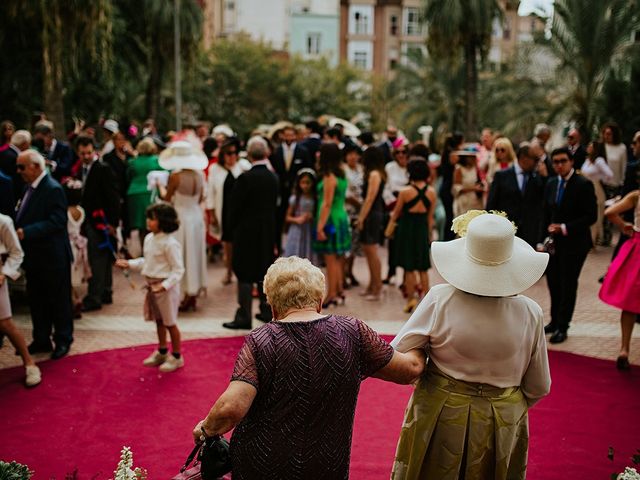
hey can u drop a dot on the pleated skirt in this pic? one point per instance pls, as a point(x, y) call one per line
point(459, 430)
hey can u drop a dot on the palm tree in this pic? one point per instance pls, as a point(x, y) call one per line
point(588, 38)
point(462, 26)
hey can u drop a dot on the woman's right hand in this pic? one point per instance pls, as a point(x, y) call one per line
point(321, 236)
point(122, 263)
point(627, 229)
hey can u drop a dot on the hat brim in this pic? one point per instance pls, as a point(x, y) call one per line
point(521, 271)
point(195, 161)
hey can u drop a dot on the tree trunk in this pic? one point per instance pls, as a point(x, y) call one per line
point(471, 90)
point(154, 85)
point(52, 85)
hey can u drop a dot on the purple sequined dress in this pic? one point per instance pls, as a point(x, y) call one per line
point(308, 376)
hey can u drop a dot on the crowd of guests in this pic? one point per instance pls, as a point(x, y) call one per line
point(307, 190)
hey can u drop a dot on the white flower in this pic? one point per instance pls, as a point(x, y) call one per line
point(629, 474)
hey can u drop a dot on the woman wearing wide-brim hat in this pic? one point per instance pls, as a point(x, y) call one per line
point(185, 190)
point(488, 361)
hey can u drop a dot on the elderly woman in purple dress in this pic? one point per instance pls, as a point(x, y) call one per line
point(293, 391)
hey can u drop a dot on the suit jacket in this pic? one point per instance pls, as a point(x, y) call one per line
point(44, 222)
point(386, 151)
point(100, 192)
point(578, 211)
point(8, 158)
point(64, 157)
point(287, 178)
point(7, 199)
point(312, 145)
point(579, 156)
point(253, 223)
point(525, 209)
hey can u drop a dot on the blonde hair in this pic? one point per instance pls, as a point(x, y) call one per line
point(293, 283)
point(494, 166)
point(147, 146)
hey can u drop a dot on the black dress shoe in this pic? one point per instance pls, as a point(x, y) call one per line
point(558, 337)
point(622, 363)
point(107, 300)
point(550, 328)
point(263, 318)
point(236, 326)
point(91, 307)
point(60, 351)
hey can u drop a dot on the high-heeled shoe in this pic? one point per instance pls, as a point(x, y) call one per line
point(372, 297)
point(341, 298)
point(329, 302)
point(188, 304)
point(411, 304)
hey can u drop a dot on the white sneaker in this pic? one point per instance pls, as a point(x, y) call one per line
point(33, 376)
point(172, 363)
point(155, 359)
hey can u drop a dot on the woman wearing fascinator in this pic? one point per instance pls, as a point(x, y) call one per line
point(467, 417)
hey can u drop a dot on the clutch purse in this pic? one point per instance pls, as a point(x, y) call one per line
point(209, 460)
point(391, 229)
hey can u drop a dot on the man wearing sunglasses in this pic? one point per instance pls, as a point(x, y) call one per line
point(570, 209)
point(41, 225)
point(578, 152)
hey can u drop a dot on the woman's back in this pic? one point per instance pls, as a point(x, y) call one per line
point(308, 376)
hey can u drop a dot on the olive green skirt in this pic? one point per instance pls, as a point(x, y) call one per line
point(459, 430)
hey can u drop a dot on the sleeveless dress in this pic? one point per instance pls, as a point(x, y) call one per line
point(80, 269)
point(412, 235)
point(337, 226)
point(621, 285)
point(191, 233)
point(299, 237)
point(463, 202)
point(373, 226)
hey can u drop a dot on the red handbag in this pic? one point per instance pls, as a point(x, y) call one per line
point(190, 472)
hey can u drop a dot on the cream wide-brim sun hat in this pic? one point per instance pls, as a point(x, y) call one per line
point(181, 155)
point(490, 260)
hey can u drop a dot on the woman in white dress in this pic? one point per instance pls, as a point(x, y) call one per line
point(596, 169)
point(186, 190)
point(219, 187)
point(467, 188)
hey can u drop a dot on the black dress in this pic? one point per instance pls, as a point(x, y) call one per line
point(412, 235)
point(227, 191)
point(374, 223)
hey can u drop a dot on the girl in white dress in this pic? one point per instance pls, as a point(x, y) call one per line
point(80, 268)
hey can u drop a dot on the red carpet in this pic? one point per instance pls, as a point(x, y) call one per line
point(90, 405)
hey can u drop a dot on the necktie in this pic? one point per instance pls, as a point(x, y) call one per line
point(24, 202)
point(525, 179)
point(560, 194)
point(85, 172)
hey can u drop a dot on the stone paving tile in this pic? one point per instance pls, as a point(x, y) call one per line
point(595, 329)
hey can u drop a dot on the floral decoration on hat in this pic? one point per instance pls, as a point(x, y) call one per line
point(460, 224)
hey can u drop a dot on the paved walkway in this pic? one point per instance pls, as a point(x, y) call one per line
point(595, 329)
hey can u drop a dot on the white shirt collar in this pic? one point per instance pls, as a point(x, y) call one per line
point(37, 181)
point(566, 179)
point(54, 142)
point(518, 168)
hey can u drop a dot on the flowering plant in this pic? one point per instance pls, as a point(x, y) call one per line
point(460, 224)
point(14, 471)
point(125, 470)
point(629, 474)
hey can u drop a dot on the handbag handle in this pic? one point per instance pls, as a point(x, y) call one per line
point(191, 456)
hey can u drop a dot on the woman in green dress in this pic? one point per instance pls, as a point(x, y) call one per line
point(333, 235)
point(138, 197)
point(414, 213)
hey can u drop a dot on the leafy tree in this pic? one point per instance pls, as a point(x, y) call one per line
point(589, 38)
point(462, 28)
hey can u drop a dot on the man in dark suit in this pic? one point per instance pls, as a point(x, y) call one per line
point(41, 226)
point(314, 139)
point(20, 141)
point(386, 146)
point(569, 211)
point(59, 154)
point(253, 225)
point(287, 160)
point(101, 204)
point(518, 191)
point(578, 152)
point(7, 199)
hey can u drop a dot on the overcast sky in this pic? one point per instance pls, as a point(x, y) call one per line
point(527, 6)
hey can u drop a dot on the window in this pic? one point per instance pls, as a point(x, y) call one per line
point(394, 25)
point(361, 19)
point(313, 43)
point(412, 21)
point(360, 59)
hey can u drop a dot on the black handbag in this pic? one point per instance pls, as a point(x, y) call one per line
point(211, 460)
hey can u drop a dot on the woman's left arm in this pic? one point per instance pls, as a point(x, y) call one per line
point(372, 190)
point(230, 408)
point(536, 382)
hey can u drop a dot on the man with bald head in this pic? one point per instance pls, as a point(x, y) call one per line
point(41, 225)
point(578, 152)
